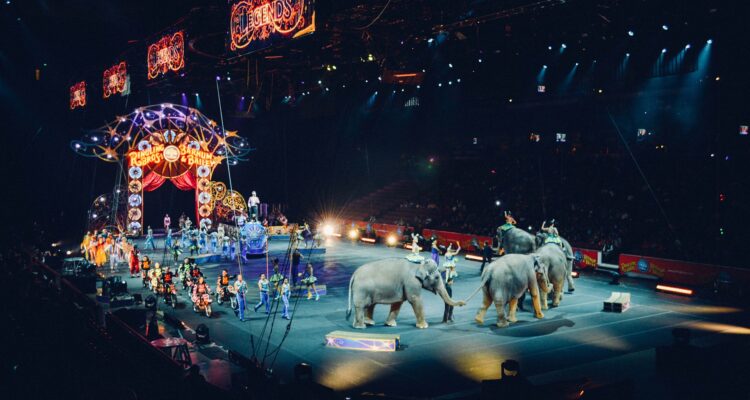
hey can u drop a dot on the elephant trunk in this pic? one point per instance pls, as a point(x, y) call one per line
point(443, 293)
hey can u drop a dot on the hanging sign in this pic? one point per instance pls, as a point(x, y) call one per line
point(114, 80)
point(167, 54)
point(257, 24)
point(78, 95)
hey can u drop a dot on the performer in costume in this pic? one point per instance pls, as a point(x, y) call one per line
point(309, 280)
point(156, 277)
point(252, 205)
point(167, 222)
point(194, 247)
point(101, 255)
point(85, 245)
point(146, 269)
point(220, 231)
point(150, 238)
point(263, 288)
point(225, 247)
point(134, 261)
point(214, 242)
point(275, 280)
point(435, 250)
point(415, 249)
point(184, 239)
point(553, 235)
point(181, 221)
point(188, 223)
point(286, 293)
point(184, 272)
point(203, 242)
point(168, 239)
point(450, 275)
point(240, 288)
point(232, 248)
point(510, 222)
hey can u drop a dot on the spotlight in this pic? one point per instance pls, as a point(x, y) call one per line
point(564, 46)
point(353, 233)
point(320, 82)
point(687, 46)
point(631, 33)
point(391, 240)
point(440, 84)
point(479, 60)
point(218, 78)
point(577, 64)
point(196, 94)
point(458, 80)
point(544, 66)
point(665, 27)
point(497, 203)
point(418, 87)
point(709, 41)
point(450, 65)
point(549, 47)
point(430, 40)
point(327, 230)
point(663, 51)
point(627, 54)
point(68, 252)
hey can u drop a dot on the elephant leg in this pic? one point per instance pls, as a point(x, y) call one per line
point(395, 308)
point(486, 301)
point(359, 317)
point(416, 304)
point(502, 322)
point(512, 310)
point(557, 295)
point(369, 310)
point(535, 297)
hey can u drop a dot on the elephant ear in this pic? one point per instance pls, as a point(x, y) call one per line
point(421, 272)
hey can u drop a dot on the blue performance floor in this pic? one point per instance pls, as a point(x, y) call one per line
point(574, 340)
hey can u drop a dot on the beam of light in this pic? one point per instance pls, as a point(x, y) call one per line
point(568, 79)
point(707, 310)
point(198, 102)
point(477, 365)
point(622, 69)
point(540, 75)
point(703, 57)
point(674, 289)
point(349, 373)
point(720, 328)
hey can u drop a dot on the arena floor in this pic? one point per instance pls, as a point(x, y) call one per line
point(574, 340)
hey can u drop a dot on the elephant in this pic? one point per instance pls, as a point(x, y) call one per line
point(554, 258)
point(506, 279)
point(568, 250)
point(516, 241)
point(393, 281)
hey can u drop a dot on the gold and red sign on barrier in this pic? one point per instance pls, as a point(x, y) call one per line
point(114, 80)
point(257, 24)
point(585, 258)
point(167, 54)
point(682, 272)
point(78, 95)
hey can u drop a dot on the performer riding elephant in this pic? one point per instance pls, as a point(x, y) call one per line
point(514, 240)
point(549, 234)
point(393, 281)
point(506, 279)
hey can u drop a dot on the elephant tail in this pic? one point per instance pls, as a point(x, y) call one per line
point(485, 279)
point(349, 307)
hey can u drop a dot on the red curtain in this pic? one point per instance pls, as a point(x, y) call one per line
point(185, 181)
point(152, 181)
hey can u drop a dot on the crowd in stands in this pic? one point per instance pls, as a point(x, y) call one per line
point(598, 201)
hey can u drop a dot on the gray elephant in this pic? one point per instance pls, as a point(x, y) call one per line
point(515, 240)
point(554, 258)
point(393, 281)
point(506, 279)
point(568, 250)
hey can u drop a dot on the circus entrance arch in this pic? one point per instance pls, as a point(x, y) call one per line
point(168, 142)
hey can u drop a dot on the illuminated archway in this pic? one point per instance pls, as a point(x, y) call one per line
point(166, 142)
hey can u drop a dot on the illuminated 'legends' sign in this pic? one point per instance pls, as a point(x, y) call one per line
point(114, 80)
point(166, 54)
point(78, 95)
point(257, 24)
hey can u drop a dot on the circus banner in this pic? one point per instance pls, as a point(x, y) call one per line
point(78, 95)
point(166, 54)
point(114, 80)
point(682, 272)
point(258, 24)
point(585, 258)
